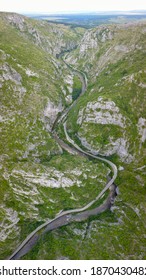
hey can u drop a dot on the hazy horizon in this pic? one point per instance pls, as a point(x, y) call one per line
point(128, 12)
point(72, 6)
point(90, 12)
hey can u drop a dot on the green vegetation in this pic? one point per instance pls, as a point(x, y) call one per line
point(120, 66)
point(38, 179)
point(91, 20)
point(77, 87)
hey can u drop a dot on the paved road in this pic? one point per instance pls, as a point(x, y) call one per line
point(69, 216)
point(63, 219)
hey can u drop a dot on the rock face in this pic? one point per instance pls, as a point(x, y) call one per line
point(142, 128)
point(9, 224)
point(92, 39)
point(50, 114)
point(108, 54)
point(88, 42)
point(104, 113)
point(68, 90)
point(38, 179)
point(119, 147)
point(53, 179)
point(10, 74)
point(34, 90)
point(58, 40)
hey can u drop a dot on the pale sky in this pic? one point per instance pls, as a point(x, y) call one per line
point(53, 6)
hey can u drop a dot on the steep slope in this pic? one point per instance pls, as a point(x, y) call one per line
point(113, 58)
point(110, 119)
point(38, 179)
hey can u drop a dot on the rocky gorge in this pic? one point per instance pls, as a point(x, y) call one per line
point(39, 179)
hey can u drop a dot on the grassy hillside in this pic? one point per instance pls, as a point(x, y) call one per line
point(39, 179)
point(111, 119)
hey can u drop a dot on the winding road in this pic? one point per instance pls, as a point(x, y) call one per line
point(78, 214)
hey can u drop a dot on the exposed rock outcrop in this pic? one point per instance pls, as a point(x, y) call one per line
point(142, 128)
point(104, 113)
point(50, 114)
